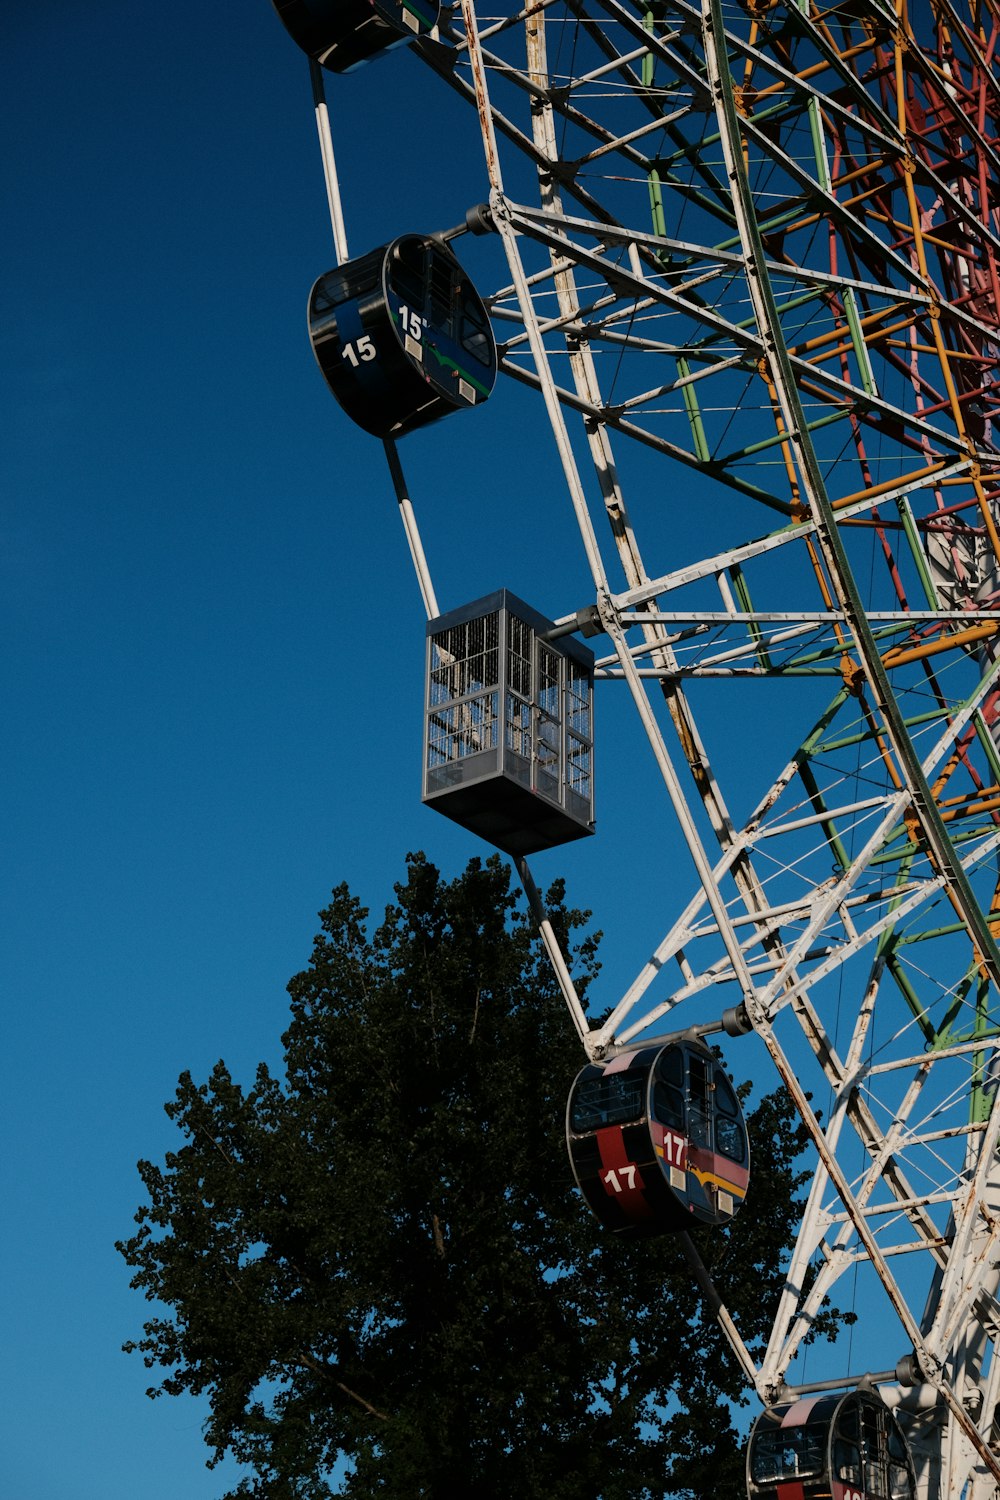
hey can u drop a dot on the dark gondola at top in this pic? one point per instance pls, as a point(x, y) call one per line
point(402, 337)
point(829, 1447)
point(343, 34)
point(658, 1141)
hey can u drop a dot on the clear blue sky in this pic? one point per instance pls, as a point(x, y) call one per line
point(213, 638)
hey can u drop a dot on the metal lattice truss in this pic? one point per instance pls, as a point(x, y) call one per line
point(754, 257)
point(764, 244)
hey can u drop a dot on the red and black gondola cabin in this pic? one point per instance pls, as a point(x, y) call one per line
point(658, 1141)
point(829, 1447)
point(342, 34)
point(402, 337)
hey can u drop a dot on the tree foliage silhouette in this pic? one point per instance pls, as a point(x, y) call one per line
point(383, 1255)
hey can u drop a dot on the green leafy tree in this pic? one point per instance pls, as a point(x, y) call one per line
point(383, 1257)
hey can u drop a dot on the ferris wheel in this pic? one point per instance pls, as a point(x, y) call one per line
point(753, 275)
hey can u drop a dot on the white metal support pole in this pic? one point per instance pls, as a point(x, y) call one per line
point(717, 1307)
point(558, 962)
point(409, 520)
point(406, 511)
point(329, 162)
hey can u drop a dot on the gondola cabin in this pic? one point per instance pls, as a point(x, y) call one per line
point(343, 34)
point(508, 726)
point(401, 336)
point(658, 1141)
point(829, 1447)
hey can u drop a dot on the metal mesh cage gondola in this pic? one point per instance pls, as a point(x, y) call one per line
point(508, 745)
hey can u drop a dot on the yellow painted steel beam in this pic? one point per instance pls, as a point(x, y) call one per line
point(874, 490)
point(900, 655)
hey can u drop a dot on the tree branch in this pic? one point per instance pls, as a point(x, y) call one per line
point(326, 1374)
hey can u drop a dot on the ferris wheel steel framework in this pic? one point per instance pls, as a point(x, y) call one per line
point(853, 299)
